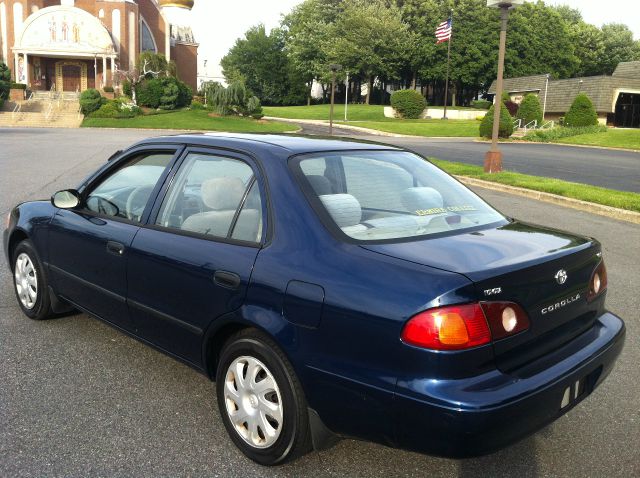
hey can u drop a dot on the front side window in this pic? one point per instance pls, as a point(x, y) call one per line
point(125, 193)
point(215, 196)
point(386, 195)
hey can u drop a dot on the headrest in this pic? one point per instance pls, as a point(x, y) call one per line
point(222, 193)
point(343, 208)
point(320, 184)
point(415, 199)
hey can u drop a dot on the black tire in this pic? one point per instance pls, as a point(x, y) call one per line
point(294, 438)
point(41, 308)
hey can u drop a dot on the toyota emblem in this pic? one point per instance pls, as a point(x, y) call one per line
point(561, 276)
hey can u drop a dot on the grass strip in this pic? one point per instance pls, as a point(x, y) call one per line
point(584, 192)
point(192, 119)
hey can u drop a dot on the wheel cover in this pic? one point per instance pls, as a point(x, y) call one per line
point(253, 402)
point(26, 281)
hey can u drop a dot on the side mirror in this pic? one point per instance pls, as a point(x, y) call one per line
point(67, 199)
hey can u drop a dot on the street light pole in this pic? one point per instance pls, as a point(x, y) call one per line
point(334, 69)
point(346, 96)
point(493, 158)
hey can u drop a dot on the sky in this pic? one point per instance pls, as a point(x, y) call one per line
point(217, 25)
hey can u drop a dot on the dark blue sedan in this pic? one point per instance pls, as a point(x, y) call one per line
point(330, 288)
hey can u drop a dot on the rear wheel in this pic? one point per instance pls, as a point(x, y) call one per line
point(30, 282)
point(260, 399)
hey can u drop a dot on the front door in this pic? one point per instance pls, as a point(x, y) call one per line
point(89, 246)
point(193, 263)
point(71, 75)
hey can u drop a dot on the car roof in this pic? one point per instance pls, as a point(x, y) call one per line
point(284, 145)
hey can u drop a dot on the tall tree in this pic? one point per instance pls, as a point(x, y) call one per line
point(259, 60)
point(618, 46)
point(369, 37)
point(306, 28)
point(589, 42)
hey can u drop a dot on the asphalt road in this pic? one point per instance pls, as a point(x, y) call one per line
point(79, 399)
point(596, 166)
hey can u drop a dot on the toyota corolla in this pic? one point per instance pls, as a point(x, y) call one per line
point(330, 288)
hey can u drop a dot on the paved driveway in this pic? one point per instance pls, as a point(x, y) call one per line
point(79, 399)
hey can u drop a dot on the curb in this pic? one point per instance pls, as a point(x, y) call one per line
point(588, 146)
point(599, 209)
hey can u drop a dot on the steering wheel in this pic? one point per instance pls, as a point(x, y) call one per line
point(136, 202)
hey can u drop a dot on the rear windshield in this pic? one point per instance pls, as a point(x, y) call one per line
point(386, 195)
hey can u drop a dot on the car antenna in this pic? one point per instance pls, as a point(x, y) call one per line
point(114, 155)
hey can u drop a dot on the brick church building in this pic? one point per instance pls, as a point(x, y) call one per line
point(72, 45)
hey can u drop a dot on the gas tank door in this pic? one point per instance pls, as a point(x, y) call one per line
point(303, 303)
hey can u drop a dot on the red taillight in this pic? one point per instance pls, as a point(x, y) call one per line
point(598, 282)
point(505, 318)
point(448, 328)
point(464, 326)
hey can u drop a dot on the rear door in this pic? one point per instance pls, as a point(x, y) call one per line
point(193, 261)
point(89, 245)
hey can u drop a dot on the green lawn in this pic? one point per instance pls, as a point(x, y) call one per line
point(193, 119)
point(321, 112)
point(429, 127)
point(584, 192)
point(612, 138)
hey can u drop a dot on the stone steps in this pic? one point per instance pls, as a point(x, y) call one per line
point(37, 120)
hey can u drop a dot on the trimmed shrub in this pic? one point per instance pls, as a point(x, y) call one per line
point(91, 100)
point(552, 134)
point(506, 96)
point(408, 103)
point(18, 86)
point(530, 110)
point(197, 105)
point(5, 82)
point(512, 107)
point(163, 92)
point(108, 89)
point(581, 113)
point(506, 123)
point(481, 104)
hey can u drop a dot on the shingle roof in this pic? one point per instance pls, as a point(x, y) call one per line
point(523, 83)
point(628, 69)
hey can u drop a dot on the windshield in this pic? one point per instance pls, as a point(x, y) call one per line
point(385, 195)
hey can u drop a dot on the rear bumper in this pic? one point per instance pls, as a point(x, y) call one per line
point(479, 415)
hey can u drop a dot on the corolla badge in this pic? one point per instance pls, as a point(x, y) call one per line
point(561, 276)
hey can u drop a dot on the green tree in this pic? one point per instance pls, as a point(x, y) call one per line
point(530, 109)
point(369, 37)
point(260, 62)
point(581, 113)
point(306, 28)
point(506, 123)
point(589, 43)
point(618, 46)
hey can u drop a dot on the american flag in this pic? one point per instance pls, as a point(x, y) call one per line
point(443, 32)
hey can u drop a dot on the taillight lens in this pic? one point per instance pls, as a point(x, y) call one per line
point(448, 328)
point(505, 318)
point(598, 282)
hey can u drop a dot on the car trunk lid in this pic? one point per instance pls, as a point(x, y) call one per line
point(545, 271)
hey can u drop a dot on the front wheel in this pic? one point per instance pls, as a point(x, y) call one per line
point(30, 282)
point(260, 399)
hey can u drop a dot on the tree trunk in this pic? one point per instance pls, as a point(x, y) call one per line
point(454, 88)
point(413, 80)
point(133, 94)
point(369, 88)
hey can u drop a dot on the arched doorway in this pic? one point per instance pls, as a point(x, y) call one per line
point(71, 76)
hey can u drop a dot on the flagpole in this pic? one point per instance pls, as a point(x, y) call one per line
point(446, 84)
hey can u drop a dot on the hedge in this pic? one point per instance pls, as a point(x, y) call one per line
point(581, 113)
point(165, 93)
point(116, 109)
point(552, 134)
point(506, 123)
point(481, 104)
point(408, 103)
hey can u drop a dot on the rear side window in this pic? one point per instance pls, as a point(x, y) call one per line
point(387, 195)
point(214, 196)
